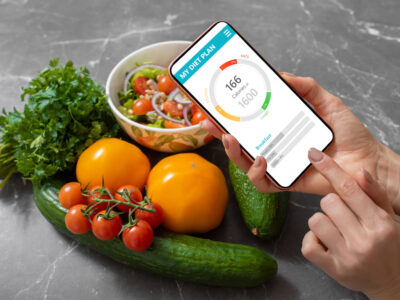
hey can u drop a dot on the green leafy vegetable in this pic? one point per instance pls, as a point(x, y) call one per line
point(66, 112)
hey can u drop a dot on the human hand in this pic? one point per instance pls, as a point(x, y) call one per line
point(356, 240)
point(353, 147)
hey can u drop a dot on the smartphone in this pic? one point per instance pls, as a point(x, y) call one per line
point(245, 97)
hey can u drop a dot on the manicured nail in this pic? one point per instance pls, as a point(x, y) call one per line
point(367, 176)
point(315, 155)
point(257, 162)
point(288, 74)
point(225, 142)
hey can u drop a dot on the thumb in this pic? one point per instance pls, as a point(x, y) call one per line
point(309, 89)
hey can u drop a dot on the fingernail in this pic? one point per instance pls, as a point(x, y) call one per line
point(315, 155)
point(288, 74)
point(367, 176)
point(225, 142)
point(257, 162)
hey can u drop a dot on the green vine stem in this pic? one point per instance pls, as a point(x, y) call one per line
point(112, 203)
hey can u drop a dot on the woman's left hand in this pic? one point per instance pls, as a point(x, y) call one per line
point(356, 240)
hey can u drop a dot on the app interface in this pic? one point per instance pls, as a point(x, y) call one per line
point(251, 102)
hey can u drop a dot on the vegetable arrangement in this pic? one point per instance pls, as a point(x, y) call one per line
point(152, 98)
point(66, 112)
point(173, 255)
point(94, 210)
point(67, 122)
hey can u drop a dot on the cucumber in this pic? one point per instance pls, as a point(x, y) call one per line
point(171, 255)
point(263, 213)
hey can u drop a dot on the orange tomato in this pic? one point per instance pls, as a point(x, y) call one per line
point(198, 117)
point(118, 162)
point(191, 191)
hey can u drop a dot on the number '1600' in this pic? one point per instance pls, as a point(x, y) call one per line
point(248, 98)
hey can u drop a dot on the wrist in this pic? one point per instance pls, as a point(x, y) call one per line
point(388, 174)
point(388, 293)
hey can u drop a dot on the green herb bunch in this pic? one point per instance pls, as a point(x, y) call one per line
point(65, 113)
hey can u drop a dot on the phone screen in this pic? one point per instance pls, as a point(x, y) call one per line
point(249, 100)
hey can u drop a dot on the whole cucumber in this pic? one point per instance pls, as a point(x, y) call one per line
point(171, 255)
point(263, 213)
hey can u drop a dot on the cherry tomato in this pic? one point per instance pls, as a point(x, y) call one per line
point(198, 117)
point(172, 108)
point(106, 229)
point(140, 85)
point(138, 237)
point(154, 219)
point(134, 197)
point(194, 109)
point(165, 84)
point(71, 194)
point(90, 199)
point(142, 106)
point(170, 124)
point(75, 221)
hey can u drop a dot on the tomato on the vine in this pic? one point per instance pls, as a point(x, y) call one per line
point(71, 194)
point(106, 229)
point(91, 198)
point(165, 84)
point(142, 106)
point(138, 237)
point(135, 196)
point(154, 219)
point(140, 85)
point(75, 221)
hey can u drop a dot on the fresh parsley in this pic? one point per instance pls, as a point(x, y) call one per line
point(66, 112)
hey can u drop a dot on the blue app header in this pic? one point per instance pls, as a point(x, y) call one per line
point(205, 53)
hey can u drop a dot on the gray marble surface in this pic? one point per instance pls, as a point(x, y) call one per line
point(351, 47)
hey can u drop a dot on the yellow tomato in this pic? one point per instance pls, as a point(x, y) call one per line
point(191, 191)
point(118, 162)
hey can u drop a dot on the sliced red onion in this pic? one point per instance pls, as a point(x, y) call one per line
point(150, 117)
point(134, 70)
point(185, 117)
point(158, 110)
point(176, 95)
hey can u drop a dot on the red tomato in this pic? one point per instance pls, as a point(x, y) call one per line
point(170, 124)
point(134, 197)
point(100, 206)
point(140, 85)
point(198, 117)
point(154, 219)
point(194, 109)
point(75, 221)
point(142, 106)
point(71, 194)
point(165, 84)
point(106, 229)
point(138, 237)
point(172, 108)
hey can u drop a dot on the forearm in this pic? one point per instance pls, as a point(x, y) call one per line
point(388, 173)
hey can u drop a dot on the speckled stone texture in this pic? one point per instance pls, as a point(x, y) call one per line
point(351, 47)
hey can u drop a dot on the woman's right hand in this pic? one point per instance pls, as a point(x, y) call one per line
point(353, 147)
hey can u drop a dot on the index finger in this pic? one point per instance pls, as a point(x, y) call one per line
point(345, 186)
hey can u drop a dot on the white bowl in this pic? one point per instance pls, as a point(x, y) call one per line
point(160, 139)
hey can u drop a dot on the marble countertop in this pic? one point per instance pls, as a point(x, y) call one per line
point(351, 47)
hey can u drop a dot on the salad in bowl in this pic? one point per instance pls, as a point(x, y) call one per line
point(150, 97)
point(149, 106)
